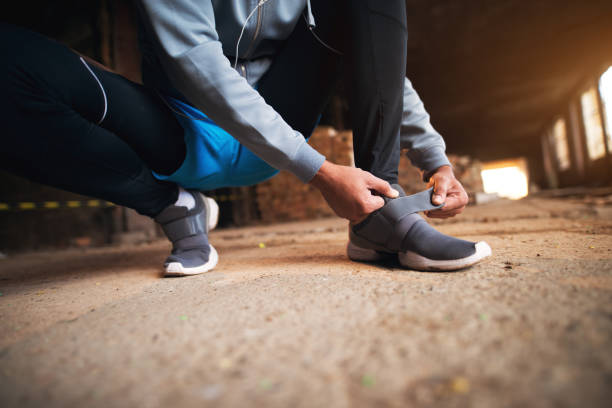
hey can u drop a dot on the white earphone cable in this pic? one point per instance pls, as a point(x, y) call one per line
point(101, 89)
point(259, 4)
point(310, 23)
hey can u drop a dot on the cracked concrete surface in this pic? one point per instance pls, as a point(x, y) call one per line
point(295, 323)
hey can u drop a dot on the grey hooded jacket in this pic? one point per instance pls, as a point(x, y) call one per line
point(195, 44)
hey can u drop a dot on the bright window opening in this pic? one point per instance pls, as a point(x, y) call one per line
point(605, 89)
point(592, 124)
point(507, 178)
point(559, 135)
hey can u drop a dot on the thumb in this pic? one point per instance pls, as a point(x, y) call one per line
point(375, 202)
point(382, 187)
point(440, 189)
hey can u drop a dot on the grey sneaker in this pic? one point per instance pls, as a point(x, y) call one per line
point(188, 231)
point(396, 228)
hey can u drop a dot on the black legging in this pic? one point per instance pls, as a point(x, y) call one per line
point(52, 106)
point(51, 111)
point(373, 38)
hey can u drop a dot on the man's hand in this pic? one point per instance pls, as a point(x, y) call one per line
point(448, 190)
point(349, 191)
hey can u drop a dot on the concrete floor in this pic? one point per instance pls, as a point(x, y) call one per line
point(286, 320)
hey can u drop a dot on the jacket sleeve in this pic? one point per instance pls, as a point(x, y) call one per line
point(426, 148)
point(190, 52)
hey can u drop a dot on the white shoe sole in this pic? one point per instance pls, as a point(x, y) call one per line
point(412, 260)
point(212, 213)
point(177, 269)
point(356, 253)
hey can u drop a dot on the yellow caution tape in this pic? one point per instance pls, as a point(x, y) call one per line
point(54, 205)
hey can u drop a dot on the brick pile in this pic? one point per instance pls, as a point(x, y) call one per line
point(467, 171)
point(285, 198)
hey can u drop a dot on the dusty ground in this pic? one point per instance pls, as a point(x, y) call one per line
point(296, 324)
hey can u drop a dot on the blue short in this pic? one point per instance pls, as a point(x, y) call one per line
point(214, 158)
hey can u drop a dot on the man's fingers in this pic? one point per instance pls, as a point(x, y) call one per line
point(382, 187)
point(441, 186)
point(366, 205)
point(374, 203)
point(452, 203)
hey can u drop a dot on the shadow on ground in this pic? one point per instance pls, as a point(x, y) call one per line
point(286, 320)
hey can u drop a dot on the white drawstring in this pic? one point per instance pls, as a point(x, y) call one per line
point(261, 3)
point(310, 20)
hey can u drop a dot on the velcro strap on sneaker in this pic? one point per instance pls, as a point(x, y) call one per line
point(185, 227)
point(385, 229)
point(398, 208)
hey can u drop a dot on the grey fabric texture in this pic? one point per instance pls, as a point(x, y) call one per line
point(189, 258)
point(187, 230)
point(397, 227)
point(387, 227)
point(194, 43)
point(425, 146)
point(423, 239)
point(184, 227)
point(396, 209)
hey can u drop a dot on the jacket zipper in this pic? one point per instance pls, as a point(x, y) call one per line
point(257, 29)
point(243, 69)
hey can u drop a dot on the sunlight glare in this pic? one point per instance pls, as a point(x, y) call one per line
point(605, 89)
point(509, 182)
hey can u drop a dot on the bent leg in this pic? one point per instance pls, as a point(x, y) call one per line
point(48, 140)
point(376, 68)
point(372, 36)
point(139, 117)
point(304, 73)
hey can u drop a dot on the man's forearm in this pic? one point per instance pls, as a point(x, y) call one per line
point(188, 45)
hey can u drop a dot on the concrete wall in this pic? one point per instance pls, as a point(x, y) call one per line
point(582, 169)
